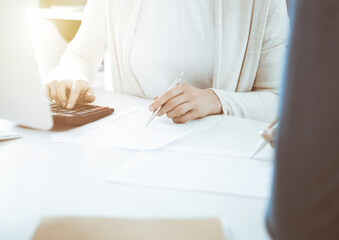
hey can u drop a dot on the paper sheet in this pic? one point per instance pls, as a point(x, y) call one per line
point(206, 170)
point(127, 130)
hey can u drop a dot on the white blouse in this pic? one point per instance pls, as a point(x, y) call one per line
point(249, 38)
point(173, 36)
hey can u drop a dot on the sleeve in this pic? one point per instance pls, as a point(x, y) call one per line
point(263, 101)
point(85, 53)
point(305, 195)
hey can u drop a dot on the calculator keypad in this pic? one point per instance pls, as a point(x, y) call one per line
point(81, 114)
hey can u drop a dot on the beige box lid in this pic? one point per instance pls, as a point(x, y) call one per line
point(70, 228)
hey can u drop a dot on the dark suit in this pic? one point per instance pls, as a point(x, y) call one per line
point(305, 201)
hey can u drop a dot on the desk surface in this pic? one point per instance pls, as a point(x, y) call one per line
point(39, 177)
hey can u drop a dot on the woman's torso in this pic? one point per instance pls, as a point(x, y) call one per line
point(173, 36)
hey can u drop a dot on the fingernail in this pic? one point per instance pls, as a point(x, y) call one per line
point(89, 94)
point(262, 132)
point(69, 106)
point(151, 108)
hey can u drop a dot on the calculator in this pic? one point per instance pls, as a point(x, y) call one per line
point(81, 114)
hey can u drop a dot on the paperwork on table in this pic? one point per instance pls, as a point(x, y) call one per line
point(196, 169)
point(127, 130)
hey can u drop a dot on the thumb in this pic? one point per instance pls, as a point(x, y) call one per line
point(89, 96)
point(266, 134)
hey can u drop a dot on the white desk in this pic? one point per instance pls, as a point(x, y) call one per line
point(39, 177)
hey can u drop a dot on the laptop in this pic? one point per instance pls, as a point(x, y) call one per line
point(22, 94)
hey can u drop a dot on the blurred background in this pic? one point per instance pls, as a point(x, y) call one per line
point(53, 24)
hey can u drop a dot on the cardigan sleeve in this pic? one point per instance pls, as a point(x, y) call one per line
point(263, 101)
point(85, 53)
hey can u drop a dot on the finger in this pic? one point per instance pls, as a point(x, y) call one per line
point(180, 110)
point(54, 92)
point(167, 96)
point(86, 96)
point(172, 103)
point(186, 117)
point(272, 143)
point(48, 92)
point(61, 90)
point(81, 99)
point(89, 96)
point(268, 135)
point(273, 123)
point(155, 98)
point(74, 95)
point(273, 137)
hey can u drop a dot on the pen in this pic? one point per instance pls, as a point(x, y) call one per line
point(175, 83)
point(261, 144)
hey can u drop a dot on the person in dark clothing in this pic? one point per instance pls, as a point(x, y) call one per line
point(305, 195)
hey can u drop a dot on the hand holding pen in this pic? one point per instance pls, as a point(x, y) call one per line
point(174, 84)
point(183, 103)
point(268, 136)
point(269, 133)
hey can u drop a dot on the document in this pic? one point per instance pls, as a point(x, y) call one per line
point(128, 229)
point(196, 169)
point(127, 131)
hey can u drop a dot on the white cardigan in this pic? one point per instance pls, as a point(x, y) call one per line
point(251, 38)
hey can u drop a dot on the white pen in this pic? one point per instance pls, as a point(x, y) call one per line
point(175, 83)
point(261, 144)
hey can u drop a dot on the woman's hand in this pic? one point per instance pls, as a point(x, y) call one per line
point(269, 133)
point(184, 103)
point(68, 93)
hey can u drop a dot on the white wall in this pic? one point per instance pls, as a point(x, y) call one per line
point(33, 3)
point(48, 44)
